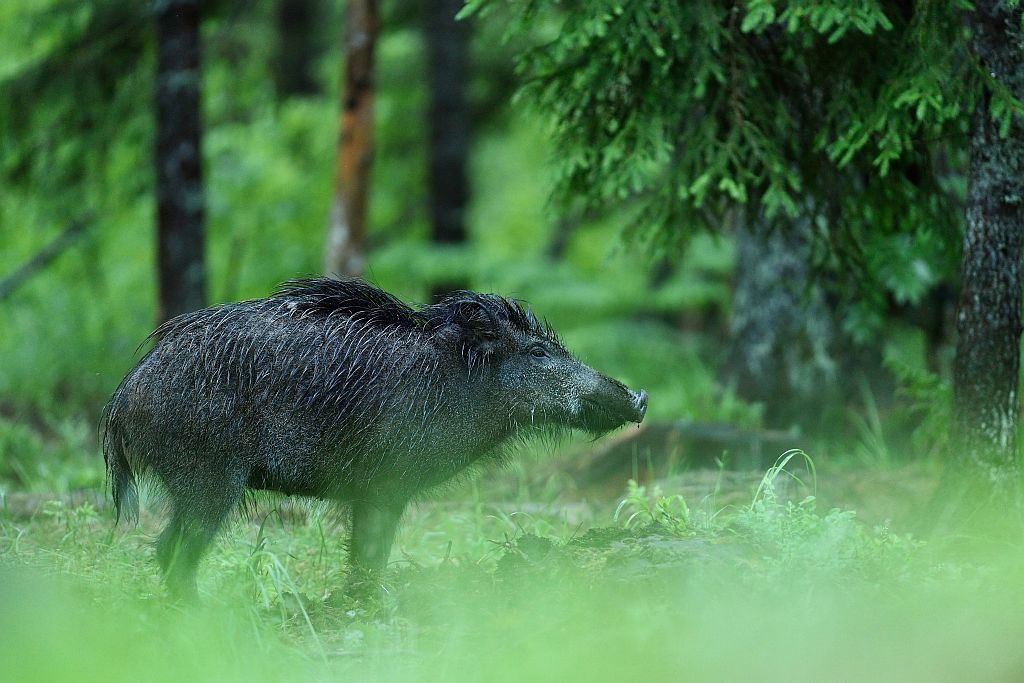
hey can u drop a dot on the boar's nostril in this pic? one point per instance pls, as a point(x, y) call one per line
point(640, 403)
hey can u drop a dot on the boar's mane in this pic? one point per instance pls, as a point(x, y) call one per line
point(486, 313)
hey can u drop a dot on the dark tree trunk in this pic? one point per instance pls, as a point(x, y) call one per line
point(298, 47)
point(345, 253)
point(558, 242)
point(781, 333)
point(447, 47)
point(179, 179)
point(986, 373)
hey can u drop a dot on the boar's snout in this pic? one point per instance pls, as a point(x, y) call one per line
point(612, 404)
point(639, 405)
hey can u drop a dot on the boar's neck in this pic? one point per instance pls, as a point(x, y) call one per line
point(461, 423)
point(471, 421)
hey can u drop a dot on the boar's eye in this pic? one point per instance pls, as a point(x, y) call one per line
point(538, 351)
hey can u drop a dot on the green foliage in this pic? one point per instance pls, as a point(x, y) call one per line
point(717, 103)
point(639, 507)
point(72, 331)
point(797, 541)
point(57, 456)
point(833, 18)
point(72, 76)
point(693, 113)
point(667, 596)
point(926, 399)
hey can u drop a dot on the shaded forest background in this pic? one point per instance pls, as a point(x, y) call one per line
point(798, 224)
point(759, 295)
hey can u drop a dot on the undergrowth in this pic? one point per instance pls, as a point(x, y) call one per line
point(656, 586)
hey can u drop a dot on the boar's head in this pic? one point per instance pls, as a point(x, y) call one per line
point(533, 376)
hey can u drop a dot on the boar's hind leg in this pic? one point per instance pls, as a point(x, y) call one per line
point(373, 531)
point(194, 523)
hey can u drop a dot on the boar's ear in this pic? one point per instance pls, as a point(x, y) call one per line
point(479, 331)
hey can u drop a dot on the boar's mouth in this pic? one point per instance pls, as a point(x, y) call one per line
point(612, 406)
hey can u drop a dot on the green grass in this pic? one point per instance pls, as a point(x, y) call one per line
point(507, 578)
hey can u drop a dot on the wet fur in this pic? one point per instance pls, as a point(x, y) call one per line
point(331, 389)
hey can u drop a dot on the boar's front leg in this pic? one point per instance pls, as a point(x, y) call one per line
point(373, 531)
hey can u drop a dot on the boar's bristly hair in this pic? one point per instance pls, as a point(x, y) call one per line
point(336, 389)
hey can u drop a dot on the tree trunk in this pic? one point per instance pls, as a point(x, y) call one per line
point(179, 180)
point(986, 373)
point(345, 253)
point(781, 332)
point(447, 47)
point(298, 47)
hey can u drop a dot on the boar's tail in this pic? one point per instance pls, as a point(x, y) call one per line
point(123, 488)
point(120, 477)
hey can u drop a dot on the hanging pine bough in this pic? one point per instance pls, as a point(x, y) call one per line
point(690, 116)
point(684, 109)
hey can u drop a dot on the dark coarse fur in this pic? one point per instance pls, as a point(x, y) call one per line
point(337, 390)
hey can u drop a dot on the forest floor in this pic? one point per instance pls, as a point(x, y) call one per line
point(522, 574)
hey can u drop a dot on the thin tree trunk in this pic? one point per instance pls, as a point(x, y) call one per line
point(298, 47)
point(41, 259)
point(448, 56)
point(781, 332)
point(986, 373)
point(447, 45)
point(179, 180)
point(345, 253)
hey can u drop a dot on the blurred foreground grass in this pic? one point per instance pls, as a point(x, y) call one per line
point(511, 581)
